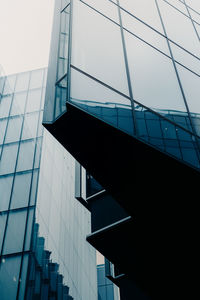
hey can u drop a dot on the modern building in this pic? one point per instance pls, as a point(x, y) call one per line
point(123, 98)
point(106, 289)
point(43, 252)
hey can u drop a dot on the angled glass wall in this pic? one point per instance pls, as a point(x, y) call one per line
point(43, 252)
point(132, 63)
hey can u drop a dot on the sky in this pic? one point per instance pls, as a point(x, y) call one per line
point(25, 32)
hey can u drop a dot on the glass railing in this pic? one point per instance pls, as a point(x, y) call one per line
point(158, 130)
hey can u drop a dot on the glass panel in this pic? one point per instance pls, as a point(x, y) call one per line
point(99, 100)
point(97, 46)
point(194, 4)
point(161, 90)
point(145, 10)
point(21, 190)
point(183, 32)
point(144, 32)
point(33, 102)
point(15, 232)
point(3, 124)
point(36, 79)
point(8, 159)
point(26, 153)
point(7, 88)
point(14, 129)
point(30, 126)
point(2, 228)
point(106, 8)
point(22, 82)
point(9, 275)
point(11, 81)
point(185, 58)
point(5, 103)
point(178, 5)
point(167, 136)
point(191, 84)
point(18, 105)
point(5, 190)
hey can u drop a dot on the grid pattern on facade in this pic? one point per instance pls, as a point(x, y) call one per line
point(141, 56)
point(20, 147)
point(150, 63)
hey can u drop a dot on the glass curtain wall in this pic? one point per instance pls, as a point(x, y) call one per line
point(136, 65)
point(20, 147)
point(43, 251)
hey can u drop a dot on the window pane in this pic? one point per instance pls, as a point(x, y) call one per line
point(5, 102)
point(105, 7)
point(30, 126)
point(8, 159)
point(15, 232)
point(179, 28)
point(18, 105)
point(14, 129)
point(161, 90)
point(145, 32)
point(9, 277)
point(21, 189)
point(26, 153)
point(97, 46)
point(36, 79)
point(22, 82)
point(3, 124)
point(145, 10)
point(5, 190)
point(33, 102)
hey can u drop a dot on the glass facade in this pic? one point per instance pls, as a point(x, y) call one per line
point(43, 252)
point(106, 289)
point(135, 65)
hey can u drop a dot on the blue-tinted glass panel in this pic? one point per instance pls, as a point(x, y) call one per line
point(15, 232)
point(8, 158)
point(5, 191)
point(9, 277)
point(26, 154)
point(21, 190)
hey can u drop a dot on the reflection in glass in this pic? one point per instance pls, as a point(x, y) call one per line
point(15, 232)
point(155, 72)
point(96, 39)
point(10, 275)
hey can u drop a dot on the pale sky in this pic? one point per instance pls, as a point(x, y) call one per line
point(25, 31)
